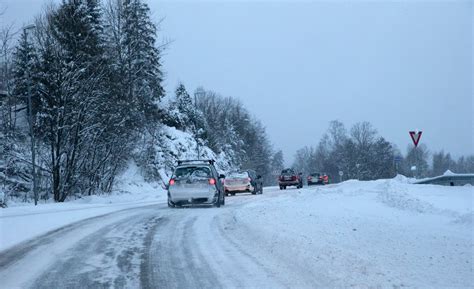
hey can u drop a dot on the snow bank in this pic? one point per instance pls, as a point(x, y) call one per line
point(384, 233)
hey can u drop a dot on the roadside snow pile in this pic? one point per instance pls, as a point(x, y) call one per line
point(132, 181)
point(23, 221)
point(384, 233)
point(172, 145)
point(429, 199)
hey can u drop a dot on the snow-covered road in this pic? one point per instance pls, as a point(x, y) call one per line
point(384, 234)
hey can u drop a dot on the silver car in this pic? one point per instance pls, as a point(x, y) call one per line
point(196, 182)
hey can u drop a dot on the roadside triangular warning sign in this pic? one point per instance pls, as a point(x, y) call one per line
point(415, 137)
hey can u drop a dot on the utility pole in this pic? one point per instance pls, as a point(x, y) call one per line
point(30, 114)
point(199, 92)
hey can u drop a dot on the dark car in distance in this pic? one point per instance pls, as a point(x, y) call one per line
point(289, 177)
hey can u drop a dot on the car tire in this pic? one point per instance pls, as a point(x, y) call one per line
point(232, 194)
point(284, 187)
point(254, 192)
point(281, 187)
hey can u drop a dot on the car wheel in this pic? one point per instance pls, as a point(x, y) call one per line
point(232, 194)
point(284, 187)
point(281, 187)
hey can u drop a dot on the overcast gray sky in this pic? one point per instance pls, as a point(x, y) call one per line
point(400, 65)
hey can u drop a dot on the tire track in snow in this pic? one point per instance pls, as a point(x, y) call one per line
point(24, 265)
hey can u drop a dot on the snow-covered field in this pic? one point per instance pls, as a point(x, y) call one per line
point(378, 234)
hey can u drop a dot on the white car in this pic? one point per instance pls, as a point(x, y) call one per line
point(195, 182)
point(238, 182)
point(243, 182)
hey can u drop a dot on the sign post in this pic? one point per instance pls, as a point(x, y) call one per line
point(415, 137)
point(341, 173)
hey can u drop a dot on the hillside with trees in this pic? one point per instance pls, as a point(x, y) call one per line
point(93, 71)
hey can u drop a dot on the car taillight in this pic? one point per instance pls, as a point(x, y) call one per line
point(172, 181)
point(294, 178)
point(212, 181)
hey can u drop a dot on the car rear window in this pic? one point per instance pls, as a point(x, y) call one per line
point(192, 173)
point(287, 171)
point(238, 175)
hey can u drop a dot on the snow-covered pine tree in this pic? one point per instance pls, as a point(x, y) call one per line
point(182, 112)
point(141, 59)
point(382, 164)
point(24, 57)
point(71, 75)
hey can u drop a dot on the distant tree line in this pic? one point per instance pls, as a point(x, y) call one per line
point(93, 71)
point(361, 153)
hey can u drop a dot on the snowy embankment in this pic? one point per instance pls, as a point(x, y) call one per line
point(20, 222)
point(385, 233)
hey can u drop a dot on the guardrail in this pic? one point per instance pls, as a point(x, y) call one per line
point(449, 180)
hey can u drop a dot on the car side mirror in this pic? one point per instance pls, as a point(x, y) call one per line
point(221, 176)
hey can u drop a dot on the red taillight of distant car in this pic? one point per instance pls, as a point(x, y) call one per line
point(212, 181)
point(172, 182)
